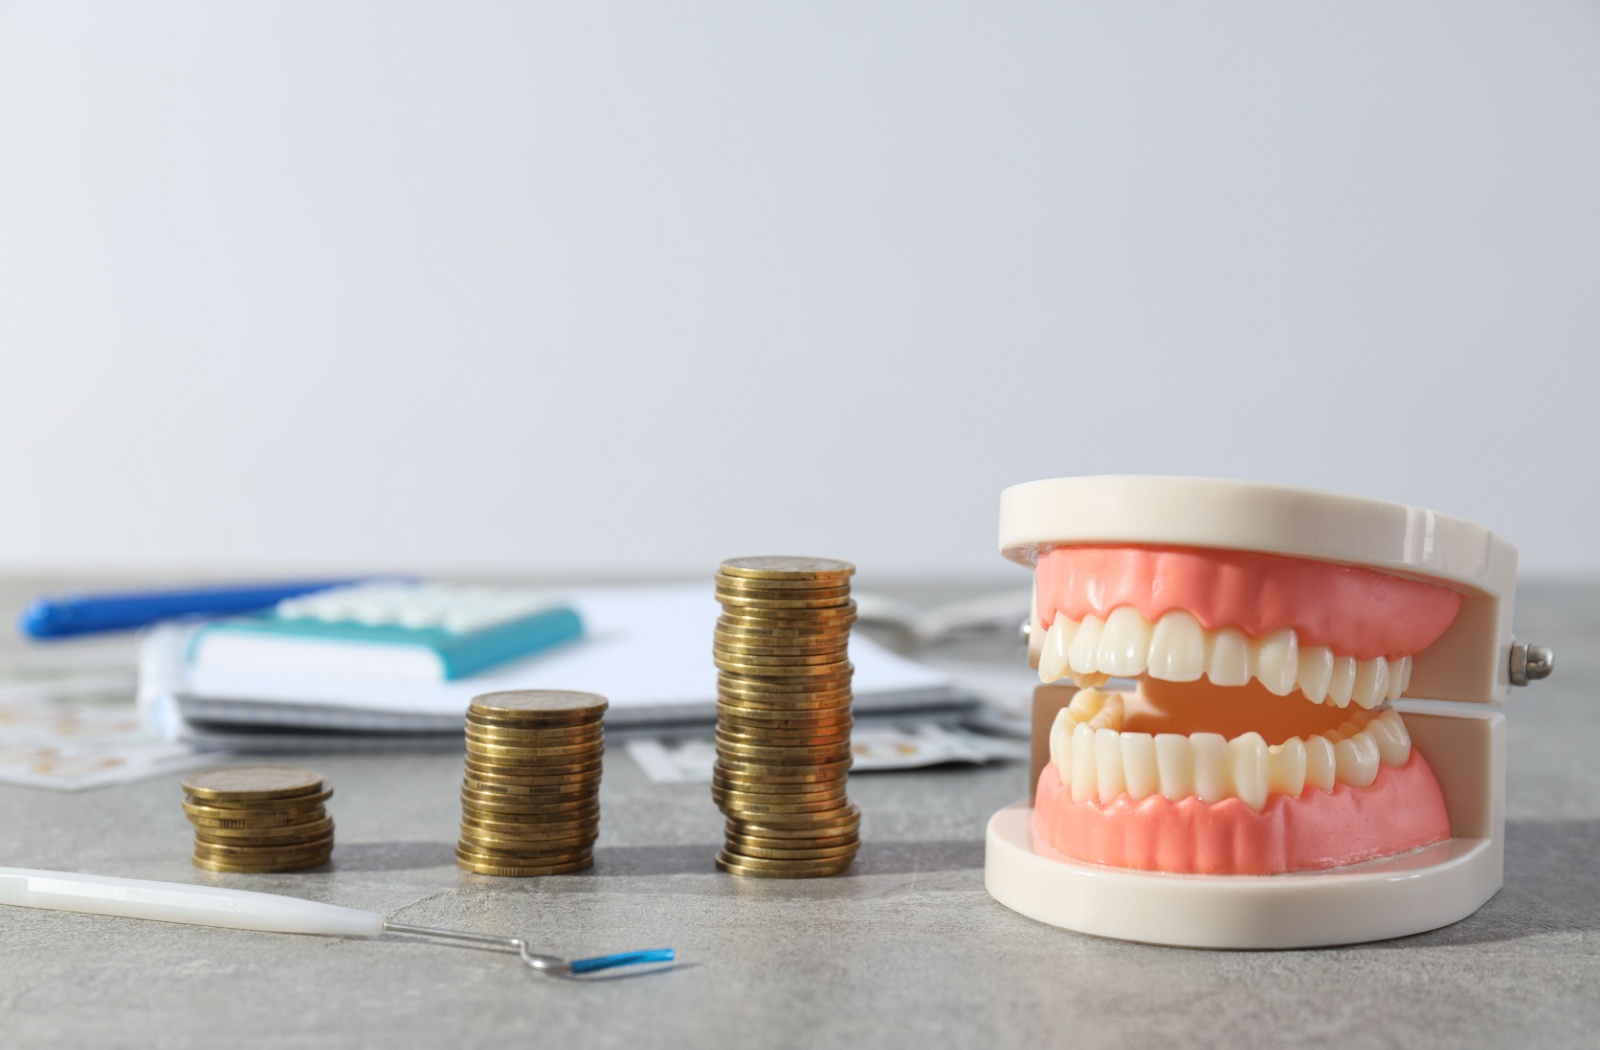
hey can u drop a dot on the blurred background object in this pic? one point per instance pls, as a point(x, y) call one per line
point(618, 290)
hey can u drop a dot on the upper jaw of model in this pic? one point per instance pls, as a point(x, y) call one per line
point(1336, 634)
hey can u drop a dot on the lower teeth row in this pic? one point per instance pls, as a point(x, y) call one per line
point(1097, 761)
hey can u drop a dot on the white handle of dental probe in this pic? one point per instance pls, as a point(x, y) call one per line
point(176, 902)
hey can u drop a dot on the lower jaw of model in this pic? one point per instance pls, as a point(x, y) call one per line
point(1231, 753)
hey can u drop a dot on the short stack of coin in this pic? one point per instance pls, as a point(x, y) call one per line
point(258, 819)
point(530, 802)
point(783, 717)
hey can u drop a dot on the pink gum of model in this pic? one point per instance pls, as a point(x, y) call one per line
point(1401, 810)
point(1354, 611)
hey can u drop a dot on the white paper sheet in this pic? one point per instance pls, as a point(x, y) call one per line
point(647, 649)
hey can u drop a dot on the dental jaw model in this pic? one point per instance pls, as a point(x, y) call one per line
point(1230, 758)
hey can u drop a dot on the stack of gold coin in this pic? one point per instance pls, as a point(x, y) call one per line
point(530, 803)
point(258, 818)
point(783, 717)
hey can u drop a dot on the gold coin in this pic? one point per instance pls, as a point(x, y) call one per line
point(528, 836)
point(837, 669)
point(197, 810)
point(756, 810)
point(821, 604)
point(254, 836)
point(787, 567)
point(762, 660)
point(835, 731)
point(742, 750)
point(493, 796)
point(778, 792)
point(776, 588)
point(831, 681)
point(553, 854)
point(582, 808)
point(806, 747)
point(594, 734)
point(469, 862)
point(839, 612)
point(780, 869)
point(547, 801)
point(559, 735)
point(819, 620)
point(738, 842)
point(771, 688)
point(785, 723)
point(755, 713)
point(754, 806)
point(763, 786)
point(527, 769)
point(785, 828)
point(523, 857)
point(781, 758)
point(257, 821)
point(308, 841)
point(741, 849)
point(546, 781)
point(254, 805)
point(770, 735)
point(742, 601)
point(799, 695)
point(736, 806)
point(774, 793)
point(543, 706)
point(521, 843)
point(230, 867)
point(263, 854)
point(780, 774)
point(837, 650)
point(486, 779)
point(761, 720)
point(764, 633)
point(484, 817)
point(251, 783)
point(567, 754)
point(519, 827)
point(798, 825)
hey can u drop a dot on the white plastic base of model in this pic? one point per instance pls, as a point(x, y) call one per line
point(1418, 891)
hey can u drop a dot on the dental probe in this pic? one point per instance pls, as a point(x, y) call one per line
point(264, 912)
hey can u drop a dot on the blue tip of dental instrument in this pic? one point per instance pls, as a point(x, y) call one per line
point(607, 962)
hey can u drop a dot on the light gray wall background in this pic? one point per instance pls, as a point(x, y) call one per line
point(465, 287)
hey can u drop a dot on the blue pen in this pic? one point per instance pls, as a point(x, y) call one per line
point(92, 613)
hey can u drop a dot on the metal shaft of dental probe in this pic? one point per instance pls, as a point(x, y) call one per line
point(543, 963)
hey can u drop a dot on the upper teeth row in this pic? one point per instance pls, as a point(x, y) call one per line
point(1095, 760)
point(1178, 649)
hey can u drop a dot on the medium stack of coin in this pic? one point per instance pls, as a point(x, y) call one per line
point(783, 717)
point(530, 803)
point(258, 819)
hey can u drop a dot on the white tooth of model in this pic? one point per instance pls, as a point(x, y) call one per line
point(1177, 648)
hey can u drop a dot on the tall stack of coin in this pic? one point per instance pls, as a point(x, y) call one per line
point(783, 717)
point(258, 819)
point(530, 803)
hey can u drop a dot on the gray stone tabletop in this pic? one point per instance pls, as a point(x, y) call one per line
point(907, 950)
